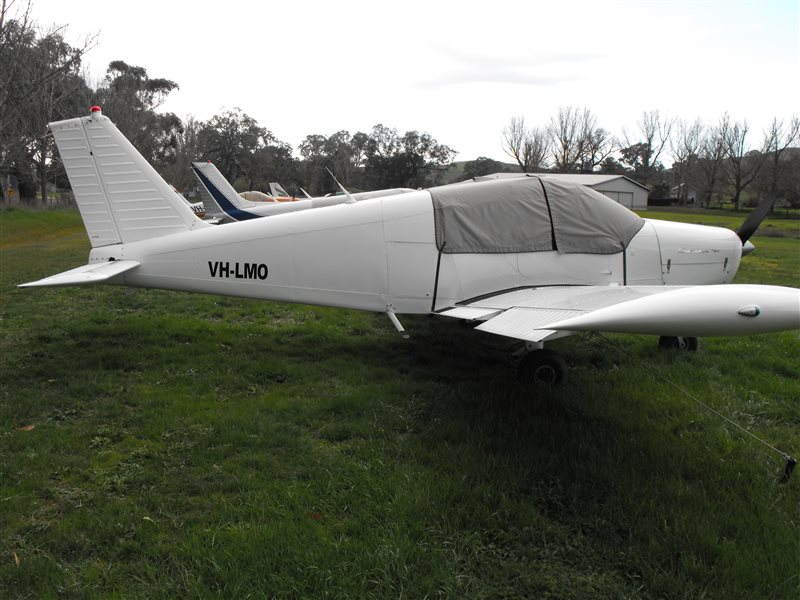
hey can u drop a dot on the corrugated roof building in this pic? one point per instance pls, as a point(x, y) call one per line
point(619, 188)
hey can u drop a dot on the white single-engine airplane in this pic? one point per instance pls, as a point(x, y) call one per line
point(229, 206)
point(532, 258)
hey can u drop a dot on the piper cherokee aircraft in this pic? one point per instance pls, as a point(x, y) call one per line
point(224, 203)
point(530, 258)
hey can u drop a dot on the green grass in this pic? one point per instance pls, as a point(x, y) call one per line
point(771, 227)
point(159, 445)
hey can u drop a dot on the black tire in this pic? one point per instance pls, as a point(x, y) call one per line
point(542, 367)
point(671, 342)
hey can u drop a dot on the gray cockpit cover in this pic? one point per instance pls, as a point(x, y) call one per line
point(529, 214)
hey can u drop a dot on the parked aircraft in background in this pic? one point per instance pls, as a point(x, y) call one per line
point(276, 194)
point(256, 196)
point(198, 208)
point(530, 258)
point(222, 201)
point(277, 191)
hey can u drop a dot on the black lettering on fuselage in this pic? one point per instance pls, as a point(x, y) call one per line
point(237, 270)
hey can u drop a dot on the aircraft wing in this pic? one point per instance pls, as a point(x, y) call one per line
point(92, 273)
point(536, 314)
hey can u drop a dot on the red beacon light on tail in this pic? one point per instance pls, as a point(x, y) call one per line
point(95, 112)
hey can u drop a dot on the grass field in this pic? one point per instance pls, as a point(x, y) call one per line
point(160, 445)
point(771, 227)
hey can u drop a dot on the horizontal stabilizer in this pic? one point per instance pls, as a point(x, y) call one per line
point(93, 273)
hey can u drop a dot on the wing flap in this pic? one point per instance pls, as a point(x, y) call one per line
point(528, 324)
point(470, 313)
point(92, 273)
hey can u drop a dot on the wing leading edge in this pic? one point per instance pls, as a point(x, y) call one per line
point(537, 314)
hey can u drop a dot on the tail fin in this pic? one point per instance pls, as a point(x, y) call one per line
point(277, 191)
point(221, 193)
point(121, 197)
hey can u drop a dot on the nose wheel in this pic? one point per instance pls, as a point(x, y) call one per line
point(542, 367)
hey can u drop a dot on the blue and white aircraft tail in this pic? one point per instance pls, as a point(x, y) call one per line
point(223, 202)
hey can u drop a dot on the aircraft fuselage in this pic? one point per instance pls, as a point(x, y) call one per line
point(381, 255)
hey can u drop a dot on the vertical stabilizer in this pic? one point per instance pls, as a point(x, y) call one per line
point(222, 195)
point(121, 197)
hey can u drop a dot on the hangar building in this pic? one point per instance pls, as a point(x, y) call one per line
point(619, 188)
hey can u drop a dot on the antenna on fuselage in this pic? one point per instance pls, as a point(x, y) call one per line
point(350, 198)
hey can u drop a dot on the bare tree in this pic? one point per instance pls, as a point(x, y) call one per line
point(528, 146)
point(780, 137)
point(685, 146)
point(743, 163)
point(577, 143)
point(600, 144)
point(712, 157)
point(652, 137)
point(566, 134)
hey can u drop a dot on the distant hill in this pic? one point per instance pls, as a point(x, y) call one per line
point(456, 171)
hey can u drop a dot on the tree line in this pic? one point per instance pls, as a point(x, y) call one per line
point(41, 81)
point(711, 161)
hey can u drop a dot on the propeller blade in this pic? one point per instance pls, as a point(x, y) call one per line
point(754, 219)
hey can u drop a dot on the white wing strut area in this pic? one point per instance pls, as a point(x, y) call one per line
point(93, 273)
point(534, 314)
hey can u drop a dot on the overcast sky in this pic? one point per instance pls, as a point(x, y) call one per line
point(458, 70)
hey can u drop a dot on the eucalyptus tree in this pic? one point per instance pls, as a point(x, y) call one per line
point(130, 98)
point(241, 148)
point(412, 160)
point(40, 81)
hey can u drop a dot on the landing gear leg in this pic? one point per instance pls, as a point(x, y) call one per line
point(542, 367)
point(670, 342)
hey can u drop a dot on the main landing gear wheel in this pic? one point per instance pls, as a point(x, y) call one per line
point(671, 342)
point(542, 367)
